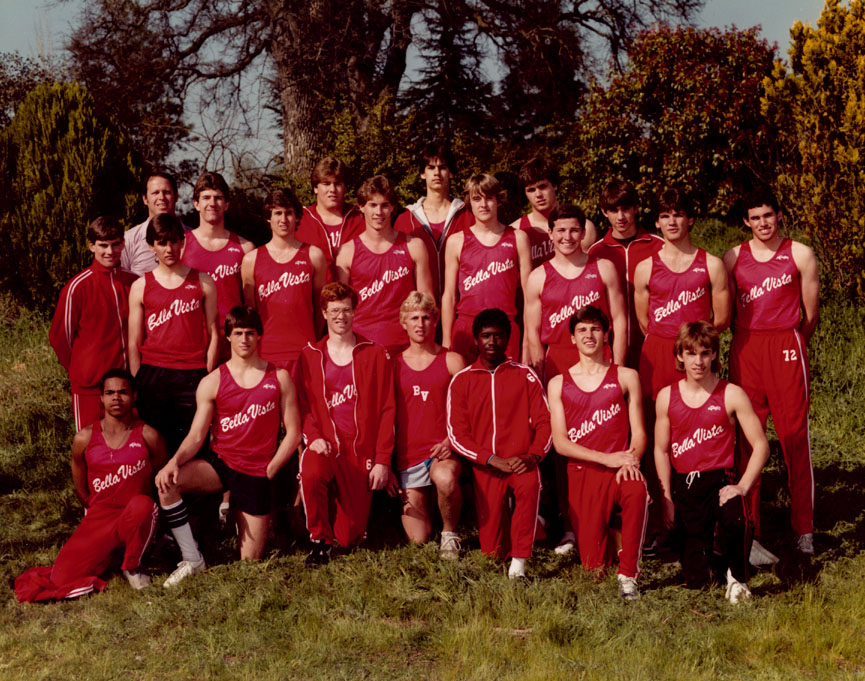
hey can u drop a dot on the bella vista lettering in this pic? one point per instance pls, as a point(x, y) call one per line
point(177, 308)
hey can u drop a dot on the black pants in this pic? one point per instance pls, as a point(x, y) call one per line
point(166, 400)
point(698, 513)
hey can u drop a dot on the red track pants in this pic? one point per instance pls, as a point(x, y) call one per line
point(593, 495)
point(89, 551)
point(772, 368)
point(353, 497)
point(501, 533)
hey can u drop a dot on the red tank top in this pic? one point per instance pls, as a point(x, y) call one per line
point(768, 294)
point(488, 275)
point(175, 333)
point(246, 422)
point(421, 397)
point(562, 297)
point(540, 243)
point(114, 476)
point(437, 228)
point(382, 281)
point(340, 393)
point(678, 297)
point(598, 419)
point(283, 298)
point(702, 438)
point(224, 268)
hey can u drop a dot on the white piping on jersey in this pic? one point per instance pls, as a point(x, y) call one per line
point(76, 412)
point(81, 591)
point(119, 319)
point(537, 505)
point(468, 453)
point(645, 526)
point(549, 442)
point(462, 448)
point(321, 226)
point(67, 313)
point(416, 210)
point(357, 400)
point(802, 351)
point(495, 420)
point(153, 519)
point(300, 485)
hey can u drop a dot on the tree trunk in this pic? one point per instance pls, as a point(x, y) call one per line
point(300, 132)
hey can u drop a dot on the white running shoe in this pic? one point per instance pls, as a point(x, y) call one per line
point(628, 588)
point(450, 546)
point(805, 544)
point(137, 579)
point(517, 570)
point(761, 556)
point(736, 591)
point(185, 568)
point(566, 545)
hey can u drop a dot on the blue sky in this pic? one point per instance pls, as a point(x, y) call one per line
point(31, 27)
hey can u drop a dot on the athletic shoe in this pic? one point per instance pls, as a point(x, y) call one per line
point(137, 579)
point(566, 545)
point(736, 591)
point(760, 555)
point(517, 570)
point(450, 546)
point(185, 568)
point(320, 554)
point(805, 544)
point(628, 588)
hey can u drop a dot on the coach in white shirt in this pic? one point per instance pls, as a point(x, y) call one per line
point(160, 196)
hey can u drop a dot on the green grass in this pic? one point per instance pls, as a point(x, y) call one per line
point(400, 612)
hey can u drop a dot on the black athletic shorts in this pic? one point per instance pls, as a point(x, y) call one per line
point(166, 400)
point(249, 493)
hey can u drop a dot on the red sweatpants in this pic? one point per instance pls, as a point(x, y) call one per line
point(353, 497)
point(491, 498)
point(463, 341)
point(86, 409)
point(593, 494)
point(89, 551)
point(773, 370)
point(657, 366)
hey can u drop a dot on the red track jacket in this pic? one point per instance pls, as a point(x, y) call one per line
point(374, 412)
point(90, 327)
point(503, 412)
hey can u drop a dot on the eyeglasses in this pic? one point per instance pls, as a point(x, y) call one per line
point(340, 312)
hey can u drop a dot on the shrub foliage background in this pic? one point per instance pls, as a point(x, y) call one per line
point(60, 167)
point(710, 110)
point(685, 111)
point(819, 105)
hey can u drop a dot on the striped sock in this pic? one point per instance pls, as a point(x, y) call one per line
point(177, 518)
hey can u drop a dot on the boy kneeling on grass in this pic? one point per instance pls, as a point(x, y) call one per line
point(498, 418)
point(695, 432)
point(597, 424)
point(113, 460)
point(241, 404)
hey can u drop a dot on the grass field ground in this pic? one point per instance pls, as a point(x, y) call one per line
point(400, 612)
